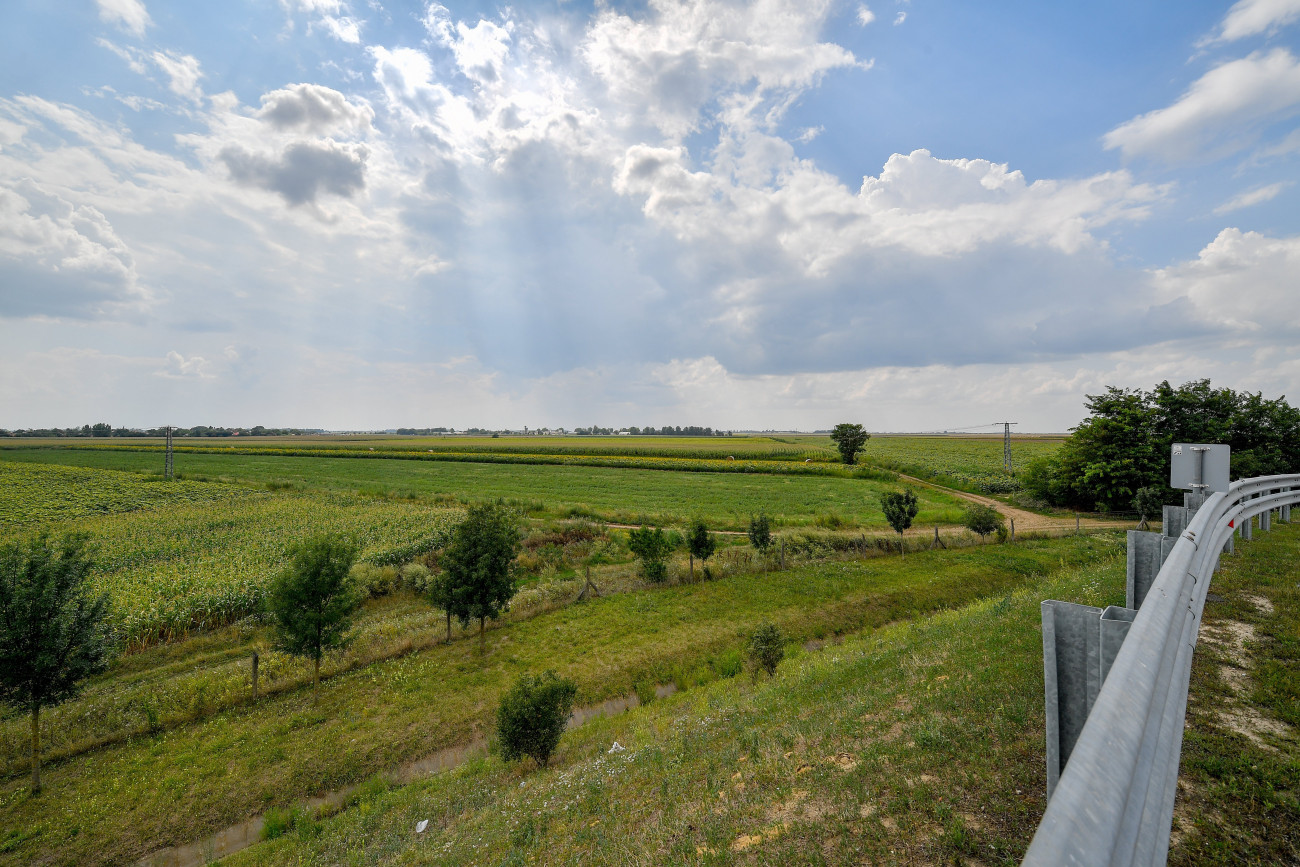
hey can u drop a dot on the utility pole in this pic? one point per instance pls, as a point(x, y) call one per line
point(167, 464)
point(1006, 444)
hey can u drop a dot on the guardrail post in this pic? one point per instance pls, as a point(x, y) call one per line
point(1115, 623)
point(1146, 554)
point(1266, 520)
point(1174, 522)
point(1071, 677)
point(1246, 528)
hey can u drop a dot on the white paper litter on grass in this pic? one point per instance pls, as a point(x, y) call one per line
point(617, 748)
point(421, 825)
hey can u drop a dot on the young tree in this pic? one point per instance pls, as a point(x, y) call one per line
point(899, 508)
point(760, 535)
point(652, 547)
point(766, 649)
point(532, 716)
point(850, 439)
point(53, 629)
point(479, 562)
point(438, 592)
point(700, 544)
point(312, 601)
point(1146, 502)
point(982, 519)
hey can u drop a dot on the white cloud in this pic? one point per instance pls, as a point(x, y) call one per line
point(182, 72)
point(1252, 17)
point(315, 109)
point(1246, 280)
point(344, 29)
point(178, 366)
point(1253, 197)
point(129, 15)
point(865, 16)
point(900, 18)
point(1225, 110)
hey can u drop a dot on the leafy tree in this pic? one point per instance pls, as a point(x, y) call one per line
point(700, 544)
point(53, 629)
point(313, 600)
point(899, 508)
point(982, 519)
point(760, 535)
point(438, 591)
point(766, 648)
point(478, 563)
point(1147, 502)
point(532, 716)
point(850, 439)
point(1124, 443)
point(652, 547)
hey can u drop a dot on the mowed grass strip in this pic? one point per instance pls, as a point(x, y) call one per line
point(1239, 784)
point(726, 500)
point(117, 803)
point(917, 743)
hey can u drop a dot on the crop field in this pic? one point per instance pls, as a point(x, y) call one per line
point(726, 500)
point(201, 756)
point(194, 555)
point(966, 463)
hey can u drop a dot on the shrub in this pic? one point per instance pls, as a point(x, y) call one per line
point(766, 648)
point(416, 576)
point(701, 545)
point(532, 716)
point(730, 663)
point(982, 519)
point(651, 547)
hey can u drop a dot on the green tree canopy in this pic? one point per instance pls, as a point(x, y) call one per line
point(312, 601)
point(701, 544)
point(850, 439)
point(899, 508)
point(479, 563)
point(982, 519)
point(53, 628)
point(1124, 443)
point(652, 547)
point(532, 716)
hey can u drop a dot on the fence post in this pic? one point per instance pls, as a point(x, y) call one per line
point(254, 675)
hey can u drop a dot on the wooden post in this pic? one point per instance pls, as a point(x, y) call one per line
point(1013, 528)
point(254, 675)
point(1076, 523)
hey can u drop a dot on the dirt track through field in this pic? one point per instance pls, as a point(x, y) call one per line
point(1024, 521)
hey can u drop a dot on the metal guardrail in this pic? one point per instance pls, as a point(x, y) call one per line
point(1113, 803)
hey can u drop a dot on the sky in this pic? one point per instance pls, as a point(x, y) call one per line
point(784, 214)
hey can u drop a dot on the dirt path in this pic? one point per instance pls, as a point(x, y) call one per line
point(1024, 521)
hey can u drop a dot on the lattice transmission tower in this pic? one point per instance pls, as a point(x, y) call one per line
point(167, 464)
point(1006, 444)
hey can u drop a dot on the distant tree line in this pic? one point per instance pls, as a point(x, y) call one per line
point(105, 430)
point(1124, 444)
point(679, 431)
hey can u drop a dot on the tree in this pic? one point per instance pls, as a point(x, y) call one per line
point(438, 591)
point(899, 508)
point(479, 562)
point(700, 544)
point(850, 439)
point(766, 649)
point(760, 535)
point(53, 628)
point(982, 519)
point(532, 716)
point(1147, 502)
point(312, 601)
point(651, 546)
point(1124, 443)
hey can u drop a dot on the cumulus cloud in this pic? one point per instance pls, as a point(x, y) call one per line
point(1225, 110)
point(865, 15)
point(1249, 198)
point(302, 172)
point(1253, 17)
point(315, 109)
point(1246, 280)
point(334, 16)
point(178, 366)
point(129, 15)
point(182, 72)
point(60, 259)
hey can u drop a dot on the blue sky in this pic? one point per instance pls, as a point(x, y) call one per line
point(366, 214)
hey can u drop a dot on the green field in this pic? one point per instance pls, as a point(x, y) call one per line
point(219, 762)
point(966, 463)
point(726, 500)
point(181, 557)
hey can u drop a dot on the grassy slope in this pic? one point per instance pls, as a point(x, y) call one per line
point(622, 495)
point(120, 801)
point(915, 743)
point(1239, 796)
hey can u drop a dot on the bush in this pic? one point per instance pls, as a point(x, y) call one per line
point(532, 716)
point(982, 519)
point(416, 576)
point(375, 580)
point(651, 546)
point(766, 648)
